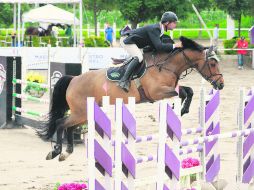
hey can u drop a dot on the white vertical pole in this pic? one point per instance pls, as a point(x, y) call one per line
point(91, 137)
point(203, 23)
point(15, 17)
point(131, 141)
point(88, 30)
point(161, 145)
point(106, 140)
point(49, 72)
point(74, 29)
point(118, 141)
point(19, 12)
point(114, 29)
point(203, 126)
point(240, 139)
point(80, 23)
point(175, 183)
point(98, 29)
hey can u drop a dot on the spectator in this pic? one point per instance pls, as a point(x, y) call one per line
point(109, 34)
point(241, 44)
point(216, 35)
point(68, 33)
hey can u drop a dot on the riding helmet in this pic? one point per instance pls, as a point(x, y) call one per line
point(169, 17)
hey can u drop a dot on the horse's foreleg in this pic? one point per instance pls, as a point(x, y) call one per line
point(189, 94)
point(59, 133)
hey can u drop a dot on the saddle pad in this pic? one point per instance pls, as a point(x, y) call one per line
point(116, 73)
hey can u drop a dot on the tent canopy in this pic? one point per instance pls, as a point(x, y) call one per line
point(50, 14)
point(40, 1)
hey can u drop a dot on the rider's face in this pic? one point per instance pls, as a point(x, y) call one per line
point(171, 25)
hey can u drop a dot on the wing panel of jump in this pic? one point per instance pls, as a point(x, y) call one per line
point(172, 162)
point(248, 110)
point(98, 186)
point(165, 187)
point(123, 187)
point(173, 124)
point(211, 131)
point(129, 122)
point(212, 168)
point(248, 144)
point(103, 158)
point(103, 123)
point(248, 172)
point(128, 160)
point(212, 105)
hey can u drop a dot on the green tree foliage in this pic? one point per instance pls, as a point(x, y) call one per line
point(236, 9)
point(137, 11)
point(97, 6)
point(6, 15)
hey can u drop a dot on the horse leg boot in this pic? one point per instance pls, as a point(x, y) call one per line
point(69, 149)
point(188, 100)
point(124, 83)
point(59, 133)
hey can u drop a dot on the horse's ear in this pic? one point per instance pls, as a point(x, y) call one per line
point(211, 48)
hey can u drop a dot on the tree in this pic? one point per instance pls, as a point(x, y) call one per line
point(236, 8)
point(97, 6)
point(137, 11)
point(6, 15)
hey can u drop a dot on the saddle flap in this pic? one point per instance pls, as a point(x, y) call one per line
point(116, 73)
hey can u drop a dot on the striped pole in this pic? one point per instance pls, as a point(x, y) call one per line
point(30, 98)
point(22, 110)
point(18, 81)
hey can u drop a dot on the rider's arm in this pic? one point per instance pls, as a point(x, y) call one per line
point(154, 36)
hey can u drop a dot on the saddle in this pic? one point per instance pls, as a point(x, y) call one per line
point(116, 73)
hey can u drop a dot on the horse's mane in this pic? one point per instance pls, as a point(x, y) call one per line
point(190, 44)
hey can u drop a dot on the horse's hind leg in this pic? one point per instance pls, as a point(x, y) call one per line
point(60, 126)
point(69, 148)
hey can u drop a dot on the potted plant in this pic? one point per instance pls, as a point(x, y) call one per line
point(33, 87)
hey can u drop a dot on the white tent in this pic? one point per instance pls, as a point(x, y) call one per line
point(17, 17)
point(50, 14)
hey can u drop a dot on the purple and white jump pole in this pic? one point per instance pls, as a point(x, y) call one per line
point(209, 124)
point(246, 143)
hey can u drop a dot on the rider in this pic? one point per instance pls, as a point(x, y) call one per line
point(134, 40)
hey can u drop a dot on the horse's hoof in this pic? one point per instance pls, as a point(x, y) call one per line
point(51, 155)
point(63, 156)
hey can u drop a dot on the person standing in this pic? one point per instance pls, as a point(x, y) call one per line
point(241, 44)
point(109, 32)
point(216, 35)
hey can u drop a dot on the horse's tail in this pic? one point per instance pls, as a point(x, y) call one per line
point(58, 107)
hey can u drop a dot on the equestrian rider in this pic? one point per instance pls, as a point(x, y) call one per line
point(134, 40)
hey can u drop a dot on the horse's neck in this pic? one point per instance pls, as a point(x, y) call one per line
point(174, 61)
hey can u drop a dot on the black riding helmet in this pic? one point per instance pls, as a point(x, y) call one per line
point(169, 17)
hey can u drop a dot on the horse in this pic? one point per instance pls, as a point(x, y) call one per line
point(37, 31)
point(163, 71)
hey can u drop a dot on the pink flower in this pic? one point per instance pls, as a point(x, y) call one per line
point(72, 186)
point(190, 162)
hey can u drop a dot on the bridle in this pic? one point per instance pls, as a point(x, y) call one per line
point(208, 55)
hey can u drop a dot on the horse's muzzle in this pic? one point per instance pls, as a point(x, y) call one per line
point(218, 85)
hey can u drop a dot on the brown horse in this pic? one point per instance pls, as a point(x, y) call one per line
point(163, 71)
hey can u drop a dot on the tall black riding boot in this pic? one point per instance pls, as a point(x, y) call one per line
point(124, 83)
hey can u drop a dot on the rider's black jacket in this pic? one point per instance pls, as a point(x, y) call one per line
point(148, 36)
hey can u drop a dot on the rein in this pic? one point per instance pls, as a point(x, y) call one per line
point(160, 65)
